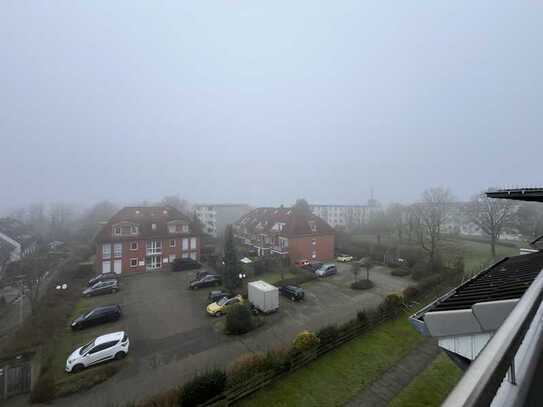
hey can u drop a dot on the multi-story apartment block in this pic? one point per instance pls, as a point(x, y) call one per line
point(144, 239)
point(215, 217)
point(347, 216)
point(287, 231)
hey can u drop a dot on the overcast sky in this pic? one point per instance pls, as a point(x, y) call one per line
point(267, 101)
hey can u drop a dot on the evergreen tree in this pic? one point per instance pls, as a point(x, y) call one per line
point(231, 261)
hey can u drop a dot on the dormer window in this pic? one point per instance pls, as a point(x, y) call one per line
point(178, 227)
point(124, 229)
point(312, 226)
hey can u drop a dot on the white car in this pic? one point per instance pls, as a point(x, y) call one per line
point(345, 258)
point(106, 347)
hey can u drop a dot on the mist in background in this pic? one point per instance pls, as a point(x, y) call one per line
point(264, 102)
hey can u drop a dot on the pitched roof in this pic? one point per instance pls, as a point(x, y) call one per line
point(17, 231)
point(145, 217)
point(505, 280)
point(519, 194)
point(297, 221)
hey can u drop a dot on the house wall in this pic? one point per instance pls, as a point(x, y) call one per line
point(303, 247)
point(140, 253)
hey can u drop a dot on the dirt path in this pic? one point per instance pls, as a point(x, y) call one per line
point(383, 390)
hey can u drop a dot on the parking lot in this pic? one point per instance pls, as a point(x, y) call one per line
point(169, 328)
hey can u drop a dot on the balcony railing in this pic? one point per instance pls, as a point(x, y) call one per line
point(514, 350)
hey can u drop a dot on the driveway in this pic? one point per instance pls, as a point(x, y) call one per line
point(172, 338)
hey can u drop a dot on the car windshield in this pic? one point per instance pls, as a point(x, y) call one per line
point(86, 347)
point(222, 301)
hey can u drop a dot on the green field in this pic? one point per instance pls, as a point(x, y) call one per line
point(431, 387)
point(339, 375)
point(476, 253)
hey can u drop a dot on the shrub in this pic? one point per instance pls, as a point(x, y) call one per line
point(249, 365)
point(202, 388)
point(362, 285)
point(305, 341)
point(44, 390)
point(428, 283)
point(328, 334)
point(239, 319)
point(362, 317)
point(392, 304)
point(400, 272)
point(168, 398)
point(410, 293)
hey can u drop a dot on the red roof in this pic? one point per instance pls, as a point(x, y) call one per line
point(297, 222)
point(144, 217)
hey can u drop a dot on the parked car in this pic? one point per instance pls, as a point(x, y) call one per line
point(293, 292)
point(302, 263)
point(102, 287)
point(313, 266)
point(219, 308)
point(103, 348)
point(96, 316)
point(207, 281)
point(185, 263)
point(344, 258)
point(326, 270)
point(201, 274)
point(216, 295)
point(102, 277)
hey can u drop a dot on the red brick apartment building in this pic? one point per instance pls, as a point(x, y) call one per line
point(144, 239)
point(295, 232)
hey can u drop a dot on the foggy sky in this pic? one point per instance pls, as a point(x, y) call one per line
point(267, 101)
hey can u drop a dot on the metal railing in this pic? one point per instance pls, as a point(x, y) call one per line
point(480, 383)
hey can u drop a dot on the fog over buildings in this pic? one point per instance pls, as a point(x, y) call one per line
point(265, 102)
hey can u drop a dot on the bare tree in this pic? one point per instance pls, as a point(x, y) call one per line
point(492, 216)
point(176, 202)
point(397, 215)
point(355, 269)
point(433, 212)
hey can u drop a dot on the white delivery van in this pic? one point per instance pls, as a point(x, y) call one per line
point(264, 296)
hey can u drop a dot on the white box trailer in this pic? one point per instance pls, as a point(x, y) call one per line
point(264, 296)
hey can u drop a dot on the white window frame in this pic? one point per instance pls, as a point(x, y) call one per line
point(106, 251)
point(117, 250)
point(172, 241)
point(134, 248)
point(132, 261)
point(193, 243)
point(154, 247)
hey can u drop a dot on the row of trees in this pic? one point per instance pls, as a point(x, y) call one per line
point(426, 221)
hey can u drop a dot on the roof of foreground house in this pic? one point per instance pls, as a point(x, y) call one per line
point(505, 280)
point(297, 221)
point(518, 194)
point(145, 217)
point(17, 231)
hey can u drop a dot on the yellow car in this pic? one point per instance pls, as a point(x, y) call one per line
point(344, 258)
point(219, 308)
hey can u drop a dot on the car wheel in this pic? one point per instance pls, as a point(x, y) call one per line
point(218, 314)
point(77, 368)
point(293, 298)
point(120, 355)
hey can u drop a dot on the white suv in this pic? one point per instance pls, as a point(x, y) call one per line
point(103, 348)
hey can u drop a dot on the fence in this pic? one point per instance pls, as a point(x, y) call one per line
point(345, 334)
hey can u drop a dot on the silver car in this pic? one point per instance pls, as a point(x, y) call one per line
point(102, 287)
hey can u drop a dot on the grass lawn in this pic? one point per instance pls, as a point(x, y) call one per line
point(431, 387)
point(271, 277)
point(339, 375)
point(476, 254)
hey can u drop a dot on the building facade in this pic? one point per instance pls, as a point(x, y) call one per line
point(145, 239)
point(345, 216)
point(16, 241)
point(294, 232)
point(215, 217)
